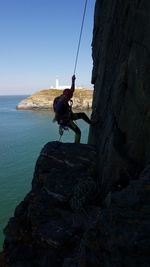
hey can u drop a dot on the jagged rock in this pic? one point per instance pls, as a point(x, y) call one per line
point(48, 225)
point(60, 223)
point(90, 205)
point(122, 234)
point(121, 77)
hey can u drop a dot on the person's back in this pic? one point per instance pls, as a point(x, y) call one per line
point(60, 105)
point(62, 109)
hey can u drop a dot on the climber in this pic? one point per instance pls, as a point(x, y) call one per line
point(64, 116)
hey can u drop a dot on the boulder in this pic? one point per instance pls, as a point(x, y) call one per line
point(48, 224)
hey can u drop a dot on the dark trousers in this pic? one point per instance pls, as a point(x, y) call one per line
point(74, 127)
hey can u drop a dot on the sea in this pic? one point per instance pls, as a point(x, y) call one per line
point(23, 134)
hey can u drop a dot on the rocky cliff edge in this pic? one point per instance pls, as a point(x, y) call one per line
point(64, 222)
point(82, 99)
point(89, 205)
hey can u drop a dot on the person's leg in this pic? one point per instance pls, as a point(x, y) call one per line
point(80, 115)
point(77, 131)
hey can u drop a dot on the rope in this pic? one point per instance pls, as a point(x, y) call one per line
point(60, 138)
point(80, 37)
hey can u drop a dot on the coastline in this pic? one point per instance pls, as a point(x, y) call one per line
point(43, 100)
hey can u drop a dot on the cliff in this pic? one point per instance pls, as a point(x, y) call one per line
point(89, 205)
point(48, 225)
point(121, 77)
point(64, 222)
point(43, 99)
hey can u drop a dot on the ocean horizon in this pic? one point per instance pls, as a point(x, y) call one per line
point(22, 136)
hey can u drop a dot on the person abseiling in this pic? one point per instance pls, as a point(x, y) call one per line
point(64, 116)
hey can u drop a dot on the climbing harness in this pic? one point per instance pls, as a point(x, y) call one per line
point(79, 42)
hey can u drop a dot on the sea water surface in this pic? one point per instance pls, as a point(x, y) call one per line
point(22, 136)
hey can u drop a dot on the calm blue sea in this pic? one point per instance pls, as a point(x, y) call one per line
point(22, 136)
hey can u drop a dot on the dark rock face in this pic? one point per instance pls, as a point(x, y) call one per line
point(48, 225)
point(89, 205)
point(61, 223)
point(121, 236)
point(121, 77)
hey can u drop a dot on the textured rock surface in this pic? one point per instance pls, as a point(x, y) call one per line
point(121, 236)
point(43, 99)
point(48, 225)
point(121, 77)
point(61, 223)
point(87, 207)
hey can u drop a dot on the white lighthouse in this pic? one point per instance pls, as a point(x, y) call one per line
point(57, 84)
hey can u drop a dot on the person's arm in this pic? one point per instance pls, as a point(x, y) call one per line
point(73, 84)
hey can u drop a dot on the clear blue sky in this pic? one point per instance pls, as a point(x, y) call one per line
point(39, 40)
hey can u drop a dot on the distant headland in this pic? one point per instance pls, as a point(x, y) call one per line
point(43, 99)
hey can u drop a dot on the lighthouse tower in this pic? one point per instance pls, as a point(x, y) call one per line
point(57, 84)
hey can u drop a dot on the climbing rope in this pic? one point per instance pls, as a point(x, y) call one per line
point(80, 37)
point(61, 129)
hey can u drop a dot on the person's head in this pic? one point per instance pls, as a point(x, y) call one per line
point(68, 94)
